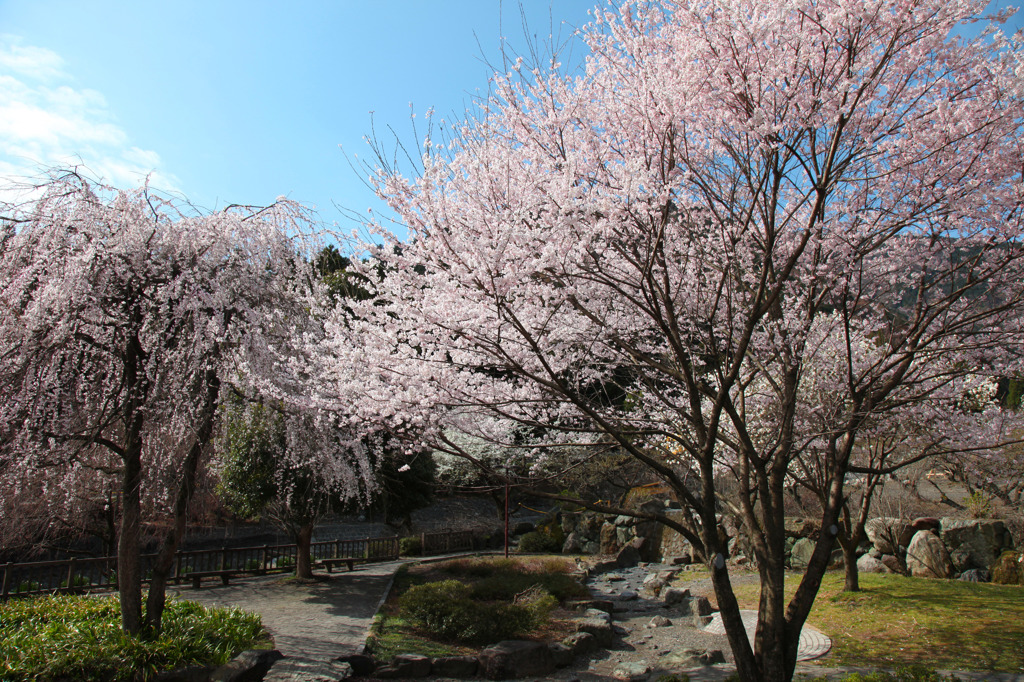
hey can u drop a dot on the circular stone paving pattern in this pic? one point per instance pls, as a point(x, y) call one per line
point(813, 642)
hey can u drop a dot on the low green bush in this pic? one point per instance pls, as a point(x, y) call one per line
point(410, 546)
point(538, 542)
point(80, 638)
point(506, 586)
point(445, 610)
point(28, 586)
point(1008, 568)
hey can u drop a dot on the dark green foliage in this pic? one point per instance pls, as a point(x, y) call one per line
point(80, 638)
point(538, 542)
point(1008, 568)
point(445, 610)
point(410, 546)
point(507, 586)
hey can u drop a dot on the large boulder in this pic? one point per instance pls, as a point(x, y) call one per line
point(599, 624)
point(515, 658)
point(885, 533)
point(927, 556)
point(629, 555)
point(405, 666)
point(1008, 569)
point(609, 539)
point(869, 564)
point(974, 543)
point(801, 553)
point(802, 550)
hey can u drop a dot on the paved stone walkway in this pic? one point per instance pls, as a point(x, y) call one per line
point(813, 643)
point(319, 620)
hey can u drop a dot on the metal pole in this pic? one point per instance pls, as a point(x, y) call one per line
point(506, 519)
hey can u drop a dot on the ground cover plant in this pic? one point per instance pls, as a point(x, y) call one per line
point(80, 638)
point(457, 606)
point(895, 620)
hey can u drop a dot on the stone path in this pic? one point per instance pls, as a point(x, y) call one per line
point(314, 623)
point(813, 643)
point(319, 620)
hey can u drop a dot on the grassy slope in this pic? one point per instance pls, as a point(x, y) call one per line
point(944, 624)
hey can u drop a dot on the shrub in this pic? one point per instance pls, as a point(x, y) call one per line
point(1008, 568)
point(410, 546)
point(28, 586)
point(445, 610)
point(253, 565)
point(536, 542)
point(506, 586)
point(285, 562)
point(979, 505)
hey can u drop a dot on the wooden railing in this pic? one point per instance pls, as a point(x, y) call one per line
point(100, 573)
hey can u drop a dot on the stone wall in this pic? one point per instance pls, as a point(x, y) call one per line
point(926, 547)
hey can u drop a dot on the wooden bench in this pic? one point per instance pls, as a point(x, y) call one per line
point(330, 563)
point(197, 576)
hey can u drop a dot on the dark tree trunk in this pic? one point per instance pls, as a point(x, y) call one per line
point(129, 573)
point(129, 545)
point(303, 560)
point(157, 597)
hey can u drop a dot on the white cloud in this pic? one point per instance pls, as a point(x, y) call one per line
point(46, 122)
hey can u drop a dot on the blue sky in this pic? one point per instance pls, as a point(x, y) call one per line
point(240, 102)
point(228, 101)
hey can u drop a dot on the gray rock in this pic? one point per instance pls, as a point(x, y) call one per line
point(573, 544)
point(362, 665)
point(599, 627)
point(927, 556)
point(884, 533)
point(976, 575)
point(693, 658)
point(631, 671)
point(561, 654)
point(248, 666)
point(869, 564)
point(296, 669)
point(627, 595)
point(454, 666)
point(405, 665)
point(801, 554)
point(659, 622)
point(623, 520)
point(701, 610)
point(974, 543)
point(581, 643)
point(513, 658)
point(629, 555)
point(675, 595)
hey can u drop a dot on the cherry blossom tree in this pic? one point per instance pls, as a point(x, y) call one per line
point(124, 314)
point(724, 191)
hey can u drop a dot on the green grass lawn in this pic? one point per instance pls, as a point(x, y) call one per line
point(80, 638)
point(942, 624)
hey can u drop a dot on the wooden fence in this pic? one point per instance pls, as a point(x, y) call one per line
point(100, 573)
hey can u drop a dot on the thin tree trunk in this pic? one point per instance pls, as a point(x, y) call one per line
point(303, 562)
point(852, 574)
point(157, 597)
